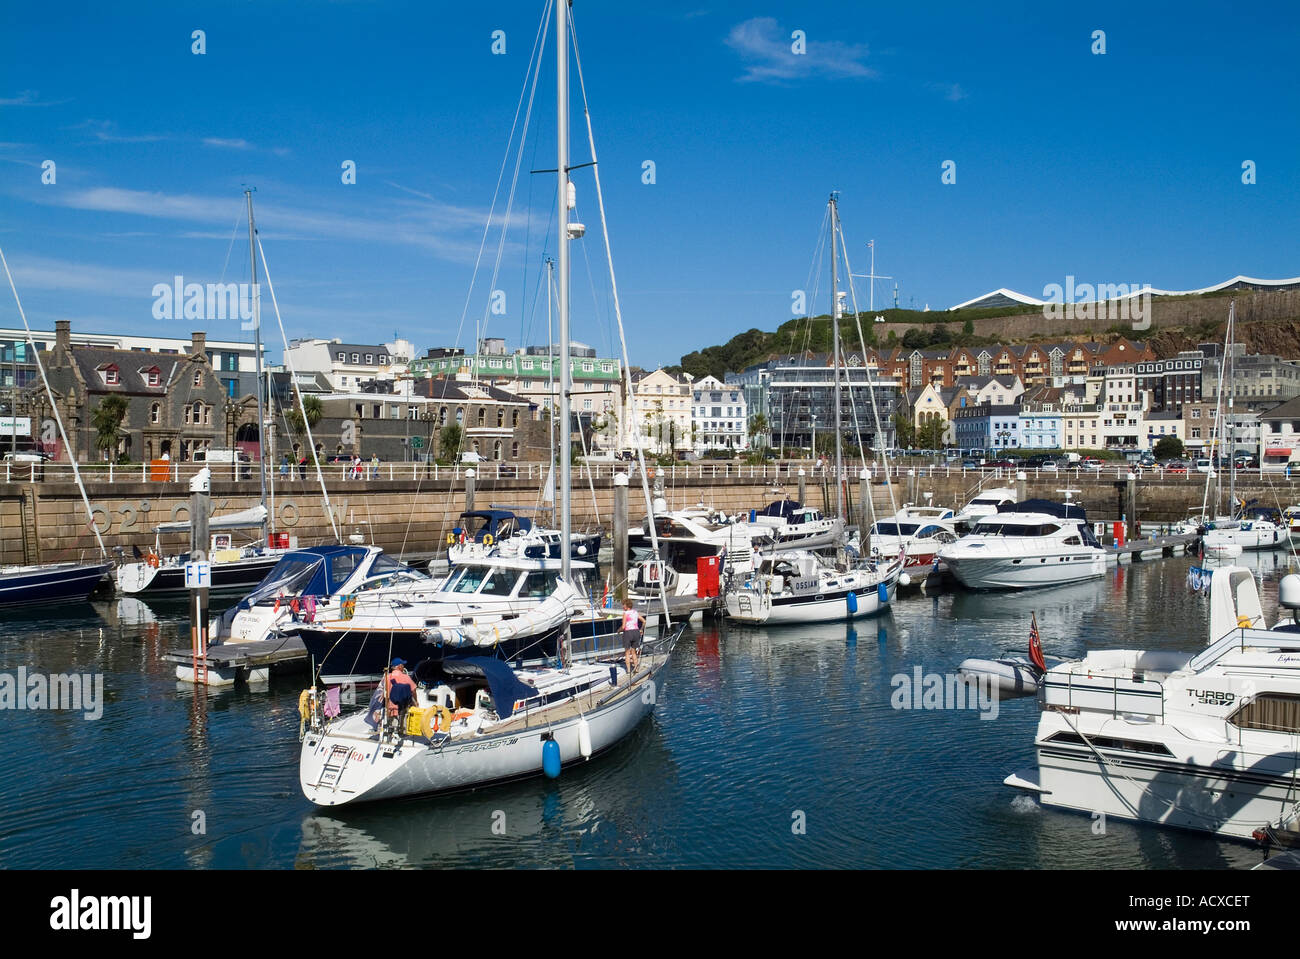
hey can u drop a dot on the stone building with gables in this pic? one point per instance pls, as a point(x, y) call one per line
point(176, 403)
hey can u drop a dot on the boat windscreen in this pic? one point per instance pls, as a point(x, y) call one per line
point(894, 529)
point(292, 575)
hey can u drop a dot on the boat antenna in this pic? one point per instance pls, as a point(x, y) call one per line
point(90, 515)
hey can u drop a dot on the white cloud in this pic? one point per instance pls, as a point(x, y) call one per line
point(767, 50)
point(227, 144)
point(952, 92)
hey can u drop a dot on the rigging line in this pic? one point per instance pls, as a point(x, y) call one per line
point(510, 201)
point(871, 389)
point(90, 515)
point(618, 313)
point(293, 378)
point(538, 40)
point(1217, 429)
point(234, 233)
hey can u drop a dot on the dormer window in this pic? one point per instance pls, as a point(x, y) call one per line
point(110, 373)
point(370, 358)
point(152, 376)
point(356, 357)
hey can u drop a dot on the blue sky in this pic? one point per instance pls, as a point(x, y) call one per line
point(1117, 168)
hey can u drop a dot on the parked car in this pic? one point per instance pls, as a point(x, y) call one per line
point(1177, 466)
point(970, 464)
point(1090, 463)
point(1048, 467)
point(1204, 465)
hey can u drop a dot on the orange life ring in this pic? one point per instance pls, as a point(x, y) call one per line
point(153, 560)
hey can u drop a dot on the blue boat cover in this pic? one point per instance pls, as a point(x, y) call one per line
point(503, 684)
point(784, 508)
point(1050, 507)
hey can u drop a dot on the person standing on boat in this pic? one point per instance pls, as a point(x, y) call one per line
point(399, 686)
point(633, 622)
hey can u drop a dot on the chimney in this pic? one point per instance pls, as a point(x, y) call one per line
point(63, 335)
point(198, 343)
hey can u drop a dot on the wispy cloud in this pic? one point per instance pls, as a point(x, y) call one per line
point(28, 98)
point(105, 131)
point(77, 276)
point(768, 52)
point(446, 230)
point(951, 92)
point(227, 144)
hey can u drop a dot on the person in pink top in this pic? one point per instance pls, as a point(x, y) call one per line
point(399, 686)
point(632, 624)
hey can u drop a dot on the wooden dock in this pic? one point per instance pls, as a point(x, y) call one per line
point(244, 657)
point(1167, 545)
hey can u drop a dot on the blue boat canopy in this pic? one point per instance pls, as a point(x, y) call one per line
point(785, 508)
point(1047, 506)
point(503, 685)
point(500, 523)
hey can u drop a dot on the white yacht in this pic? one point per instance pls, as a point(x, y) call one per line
point(798, 586)
point(1291, 516)
point(920, 531)
point(685, 537)
point(1208, 742)
point(795, 526)
point(1034, 543)
point(983, 503)
point(1249, 534)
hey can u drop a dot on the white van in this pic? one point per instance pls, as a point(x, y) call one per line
point(222, 461)
point(1204, 466)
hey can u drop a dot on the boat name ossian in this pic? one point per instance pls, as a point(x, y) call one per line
point(1212, 697)
point(475, 747)
point(800, 585)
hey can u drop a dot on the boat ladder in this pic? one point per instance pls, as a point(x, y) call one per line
point(332, 771)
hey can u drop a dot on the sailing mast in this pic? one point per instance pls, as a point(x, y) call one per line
point(1232, 437)
point(565, 203)
point(257, 346)
point(835, 338)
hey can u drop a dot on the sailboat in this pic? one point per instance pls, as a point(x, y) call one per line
point(235, 567)
point(797, 585)
point(1241, 531)
point(52, 582)
point(477, 720)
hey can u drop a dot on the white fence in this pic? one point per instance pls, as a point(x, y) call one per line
point(784, 472)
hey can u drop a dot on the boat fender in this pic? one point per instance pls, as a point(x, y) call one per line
point(551, 758)
point(304, 705)
point(451, 539)
point(584, 737)
point(852, 601)
point(882, 592)
point(487, 539)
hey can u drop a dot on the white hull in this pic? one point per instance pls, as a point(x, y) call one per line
point(365, 773)
point(1027, 572)
point(1227, 802)
point(1252, 538)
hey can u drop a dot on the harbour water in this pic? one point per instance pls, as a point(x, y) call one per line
point(770, 747)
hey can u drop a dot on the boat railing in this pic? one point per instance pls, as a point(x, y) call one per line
point(1241, 639)
point(1114, 694)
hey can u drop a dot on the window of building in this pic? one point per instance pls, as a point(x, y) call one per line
point(482, 415)
point(501, 417)
point(110, 376)
point(514, 451)
point(155, 413)
point(514, 418)
point(356, 357)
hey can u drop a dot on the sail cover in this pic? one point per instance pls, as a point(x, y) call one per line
point(503, 684)
point(244, 519)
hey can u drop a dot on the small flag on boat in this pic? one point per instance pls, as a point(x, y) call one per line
point(1036, 645)
point(332, 708)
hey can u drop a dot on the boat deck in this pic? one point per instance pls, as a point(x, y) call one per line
point(1168, 546)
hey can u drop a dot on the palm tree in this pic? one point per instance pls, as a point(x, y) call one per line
point(758, 426)
point(107, 421)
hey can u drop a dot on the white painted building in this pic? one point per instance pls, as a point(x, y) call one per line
point(719, 416)
point(347, 365)
point(662, 405)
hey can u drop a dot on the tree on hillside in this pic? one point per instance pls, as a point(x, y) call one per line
point(940, 336)
point(758, 430)
point(1168, 448)
point(968, 328)
point(915, 339)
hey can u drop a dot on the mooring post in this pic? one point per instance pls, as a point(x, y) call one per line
point(864, 512)
point(200, 486)
point(1021, 487)
point(803, 487)
point(469, 490)
point(1131, 483)
point(620, 533)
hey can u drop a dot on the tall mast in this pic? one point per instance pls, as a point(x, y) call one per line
point(562, 199)
point(1232, 436)
point(835, 339)
point(550, 379)
point(257, 347)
